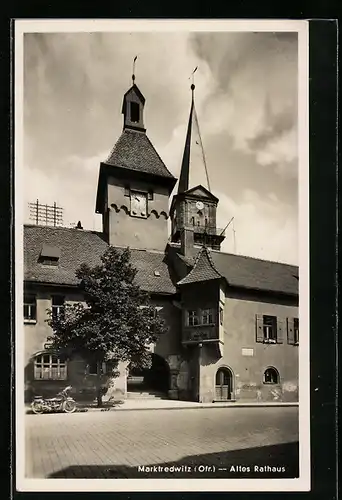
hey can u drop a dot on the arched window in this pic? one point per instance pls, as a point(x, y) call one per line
point(271, 376)
point(50, 367)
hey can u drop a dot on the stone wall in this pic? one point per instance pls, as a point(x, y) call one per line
point(248, 359)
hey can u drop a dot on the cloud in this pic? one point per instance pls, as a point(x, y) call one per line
point(264, 228)
point(74, 191)
point(245, 97)
point(255, 99)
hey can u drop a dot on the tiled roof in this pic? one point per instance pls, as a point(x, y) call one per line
point(79, 246)
point(134, 151)
point(257, 274)
point(203, 270)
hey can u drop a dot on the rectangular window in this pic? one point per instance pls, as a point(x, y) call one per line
point(192, 318)
point(57, 307)
point(127, 191)
point(135, 112)
point(221, 316)
point(30, 309)
point(49, 367)
point(207, 317)
point(150, 194)
point(292, 331)
point(296, 330)
point(270, 328)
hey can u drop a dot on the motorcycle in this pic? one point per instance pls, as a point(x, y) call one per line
point(61, 403)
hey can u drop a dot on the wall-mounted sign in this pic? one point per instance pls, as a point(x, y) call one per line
point(247, 352)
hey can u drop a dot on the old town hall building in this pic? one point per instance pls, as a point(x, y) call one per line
point(233, 320)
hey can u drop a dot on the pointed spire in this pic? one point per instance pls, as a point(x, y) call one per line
point(185, 169)
point(193, 149)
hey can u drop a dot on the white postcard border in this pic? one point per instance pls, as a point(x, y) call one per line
point(111, 485)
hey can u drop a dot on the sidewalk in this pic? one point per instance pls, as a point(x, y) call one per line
point(169, 404)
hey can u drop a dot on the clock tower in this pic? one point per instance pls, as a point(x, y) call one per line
point(134, 184)
point(193, 210)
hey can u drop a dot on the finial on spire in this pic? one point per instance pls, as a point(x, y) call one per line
point(133, 73)
point(193, 79)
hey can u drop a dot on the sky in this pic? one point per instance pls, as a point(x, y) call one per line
point(246, 102)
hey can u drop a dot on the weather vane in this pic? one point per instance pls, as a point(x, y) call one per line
point(193, 78)
point(133, 73)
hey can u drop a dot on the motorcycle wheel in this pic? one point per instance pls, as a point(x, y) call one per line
point(69, 406)
point(37, 407)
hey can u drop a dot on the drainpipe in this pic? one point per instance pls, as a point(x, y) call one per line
point(199, 371)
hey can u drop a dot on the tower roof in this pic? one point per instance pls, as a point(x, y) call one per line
point(135, 151)
point(133, 154)
point(193, 155)
point(204, 269)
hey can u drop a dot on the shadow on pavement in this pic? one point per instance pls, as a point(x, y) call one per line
point(276, 461)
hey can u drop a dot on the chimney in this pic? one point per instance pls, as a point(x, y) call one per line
point(187, 241)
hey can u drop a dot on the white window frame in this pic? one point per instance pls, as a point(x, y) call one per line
point(267, 329)
point(42, 367)
point(27, 304)
point(192, 317)
point(207, 316)
point(57, 309)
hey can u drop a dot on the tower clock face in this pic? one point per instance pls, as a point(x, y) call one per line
point(199, 205)
point(138, 204)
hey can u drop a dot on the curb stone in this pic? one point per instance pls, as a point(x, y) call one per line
point(188, 407)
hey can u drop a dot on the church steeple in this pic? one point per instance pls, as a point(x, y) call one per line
point(185, 168)
point(193, 208)
point(193, 162)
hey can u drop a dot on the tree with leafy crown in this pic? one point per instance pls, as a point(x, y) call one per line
point(116, 321)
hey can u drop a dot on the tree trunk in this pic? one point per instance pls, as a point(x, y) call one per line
point(109, 395)
point(98, 385)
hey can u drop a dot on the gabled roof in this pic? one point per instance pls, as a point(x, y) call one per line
point(200, 191)
point(79, 246)
point(134, 151)
point(134, 88)
point(250, 273)
point(204, 269)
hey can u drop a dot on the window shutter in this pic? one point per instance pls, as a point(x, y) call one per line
point(259, 321)
point(280, 331)
point(290, 331)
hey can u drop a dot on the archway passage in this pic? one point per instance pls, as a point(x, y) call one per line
point(224, 385)
point(155, 379)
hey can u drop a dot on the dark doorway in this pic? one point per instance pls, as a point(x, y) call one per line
point(224, 385)
point(153, 379)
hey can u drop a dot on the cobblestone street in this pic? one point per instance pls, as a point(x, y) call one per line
point(114, 444)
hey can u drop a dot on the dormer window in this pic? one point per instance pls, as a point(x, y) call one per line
point(49, 255)
point(135, 112)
